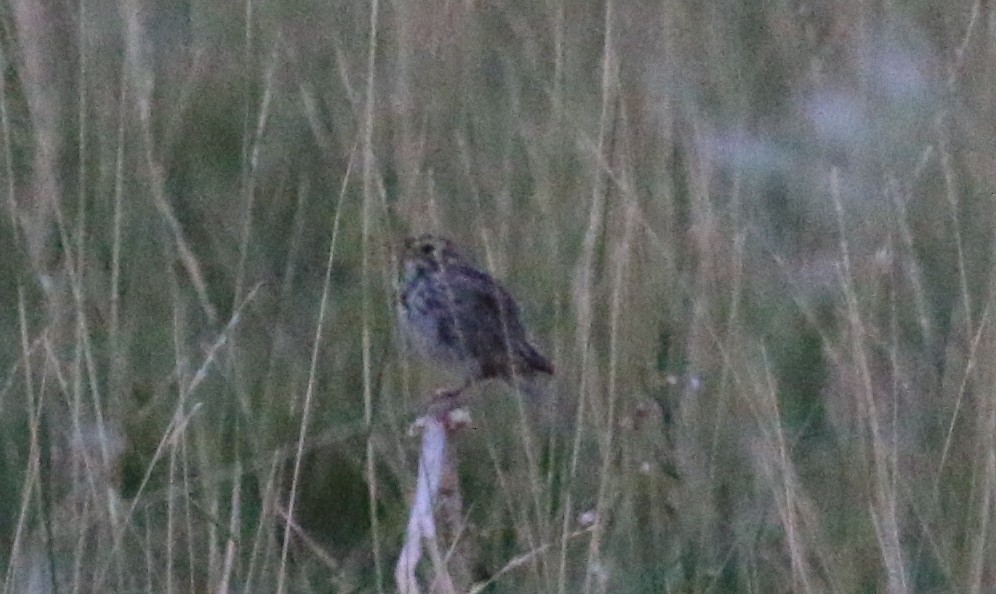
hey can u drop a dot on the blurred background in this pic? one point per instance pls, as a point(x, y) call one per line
point(755, 238)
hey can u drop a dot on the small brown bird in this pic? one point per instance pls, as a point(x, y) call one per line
point(459, 317)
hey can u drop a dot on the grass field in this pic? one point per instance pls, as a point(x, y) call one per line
point(756, 239)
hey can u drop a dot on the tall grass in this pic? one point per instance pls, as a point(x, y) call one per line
point(755, 238)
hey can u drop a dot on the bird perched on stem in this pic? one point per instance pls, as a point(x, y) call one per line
point(459, 317)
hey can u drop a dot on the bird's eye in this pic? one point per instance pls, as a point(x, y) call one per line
point(427, 249)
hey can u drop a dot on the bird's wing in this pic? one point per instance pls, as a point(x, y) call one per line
point(486, 311)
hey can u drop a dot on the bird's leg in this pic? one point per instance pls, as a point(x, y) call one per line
point(447, 399)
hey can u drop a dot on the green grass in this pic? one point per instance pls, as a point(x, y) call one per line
point(755, 238)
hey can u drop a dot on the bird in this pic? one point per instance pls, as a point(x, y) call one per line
point(457, 316)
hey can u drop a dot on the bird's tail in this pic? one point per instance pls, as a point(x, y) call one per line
point(533, 361)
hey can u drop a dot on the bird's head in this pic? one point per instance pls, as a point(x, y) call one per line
point(427, 254)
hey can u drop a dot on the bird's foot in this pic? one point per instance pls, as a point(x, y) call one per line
point(447, 407)
point(445, 400)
